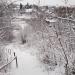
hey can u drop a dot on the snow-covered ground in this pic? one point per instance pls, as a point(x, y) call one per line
point(27, 63)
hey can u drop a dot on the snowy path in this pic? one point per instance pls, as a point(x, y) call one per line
point(27, 64)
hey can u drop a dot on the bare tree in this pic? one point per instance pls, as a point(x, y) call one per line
point(66, 2)
point(6, 15)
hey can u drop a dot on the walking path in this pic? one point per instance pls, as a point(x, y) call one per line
point(27, 63)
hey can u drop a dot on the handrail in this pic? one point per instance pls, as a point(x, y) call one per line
point(6, 27)
point(8, 63)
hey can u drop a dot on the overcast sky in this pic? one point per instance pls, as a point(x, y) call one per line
point(48, 2)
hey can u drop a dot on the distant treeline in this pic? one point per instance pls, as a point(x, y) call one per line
point(28, 6)
point(65, 11)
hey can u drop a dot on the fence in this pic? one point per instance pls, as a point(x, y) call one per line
point(10, 56)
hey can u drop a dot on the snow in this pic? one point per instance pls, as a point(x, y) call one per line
point(27, 63)
point(58, 71)
point(29, 10)
point(51, 20)
point(23, 16)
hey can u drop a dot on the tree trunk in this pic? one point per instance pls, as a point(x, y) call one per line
point(66, 69)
